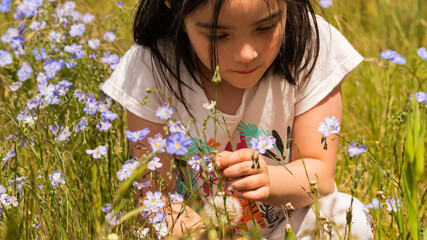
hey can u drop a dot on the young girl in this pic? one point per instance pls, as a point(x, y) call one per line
point(281, 69)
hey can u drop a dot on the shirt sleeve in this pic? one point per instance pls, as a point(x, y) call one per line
point(337, 58)
point(129, 82)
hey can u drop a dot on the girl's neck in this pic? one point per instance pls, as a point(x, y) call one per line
point(228, 98)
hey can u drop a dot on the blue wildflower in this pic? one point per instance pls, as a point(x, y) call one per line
point(93, 43)
point(97, 152)
point(175, 197)
point(388, 54)
point(398, 59)
point(154, 201)
point(374, 204)
point(393, 56)
point(196, 162)
point(54, 128)
point(46, 90)
point(139, 186)
point(62, 87)
point(77, 30)
point(178, 126)
point(87, 18)
point(33, 103)
point(63, 135)
point(422, 52)
point(127, 169)
point(109, 36)
point(91, 107)
point(393, 204)
point(39, 53)
point(329, 126)
point(104, 125)
point(24, 72)
point(262, 143)
point(354, 150)
point(4, 7)
point(81, 125)
point(57, 178)
point(17, 42)
point(137, 135)
point(121, 3)
point(55, 37)
point(15, 86)
point(35, 25)
point(109, 115)
point(177, 143)
point(79, 54)
point(157, 143)
point(79, 94)
point(107, 208)
point(154, 163)
point(73, 48)
point(41, 78)
point(10, 154)
point(112, 219)
point(165, 112)
point(70, 64)
point(110, 58)
point(2, 190)
point(421, 97)
point(5, 58)
point(9, 35)
point(52, 66)
point(325, 3)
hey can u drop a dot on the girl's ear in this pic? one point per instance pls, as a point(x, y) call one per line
point(168, 4)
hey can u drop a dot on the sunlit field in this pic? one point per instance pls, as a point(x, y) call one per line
point(66, 169)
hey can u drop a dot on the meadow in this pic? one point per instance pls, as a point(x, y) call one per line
point(64, 144)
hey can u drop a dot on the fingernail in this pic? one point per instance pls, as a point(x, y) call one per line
point(218, 163)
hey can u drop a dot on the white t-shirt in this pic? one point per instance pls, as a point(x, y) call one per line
point(269, 107)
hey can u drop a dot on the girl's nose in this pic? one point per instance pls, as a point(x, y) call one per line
point(246, 54)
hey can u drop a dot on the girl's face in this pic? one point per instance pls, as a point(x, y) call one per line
point(249, 36)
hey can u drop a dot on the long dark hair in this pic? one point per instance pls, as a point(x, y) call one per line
point(155, 21)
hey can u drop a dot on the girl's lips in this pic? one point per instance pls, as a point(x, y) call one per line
point(248, 71)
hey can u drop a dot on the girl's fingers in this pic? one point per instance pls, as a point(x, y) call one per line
point(225, 159)
point(259, 194)
point(239, 170)
point(246, 183)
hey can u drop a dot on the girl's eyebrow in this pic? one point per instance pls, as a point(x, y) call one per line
point(268, 18)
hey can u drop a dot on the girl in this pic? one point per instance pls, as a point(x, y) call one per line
point(281, 68)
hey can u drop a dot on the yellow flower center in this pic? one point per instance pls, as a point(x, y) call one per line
point(177, 145)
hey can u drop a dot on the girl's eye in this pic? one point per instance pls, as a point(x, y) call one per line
point(217, 37)
point(264, 29)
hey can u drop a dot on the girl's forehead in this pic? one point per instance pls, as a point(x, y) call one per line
point(235, 9)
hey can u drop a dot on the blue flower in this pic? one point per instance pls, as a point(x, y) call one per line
point(9, 35)
point(325, 3)
point(79, 54)
point(121, 3)
point(177, 143)
point(329, 126)
point(112, 219)
point(262, 143)
point(104, 125)
point(15, 86)
point(393, 56)
point(4, 7)
point(137, 135)
point(127, 169)
point(165, 112)
point(55, 37)
point(139, 186)
point(64, 134)
point(196, 162)
point(354, 151)
point(5, 58)
point(393, 204)
point(93, 43)
point(109, 36)
point(62, 87)
point(154, 163)
point(24, 72)
point(73, 48)
point(9, 155)
point(87, 18)
point(97, 152)
point(70, 64)
point(375, 203)
point(178, 127)
point(107, 208)
point(81, 125)
point(57, 178)
point(79, 94)
point(17, 42)
point(175, 197)
point(52, 66)
point(54, 128)
point(46, 90)
point(109, 115)
point(77, 30)
point(157, 143)
point(110, 58)
point(2, 190)
point(398, 59)
point(422, 52)
point(91, 107)
point(35, 25)
point(154, 201)
point(421, 97)
point(33, 103)
point(39, 53)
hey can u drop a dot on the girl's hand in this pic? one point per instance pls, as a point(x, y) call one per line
point(237, 168)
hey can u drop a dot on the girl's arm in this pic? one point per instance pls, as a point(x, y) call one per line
point(274, 185)
point(188, 219)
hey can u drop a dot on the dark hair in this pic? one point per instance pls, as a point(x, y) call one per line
point(155, 21)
